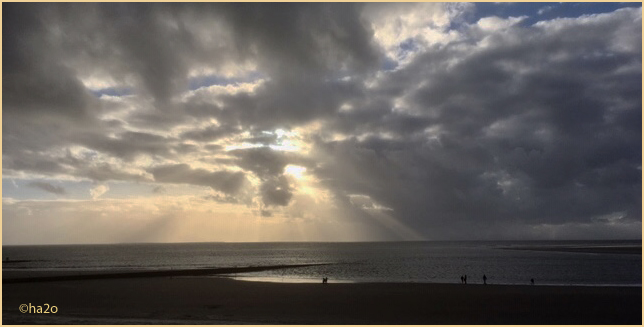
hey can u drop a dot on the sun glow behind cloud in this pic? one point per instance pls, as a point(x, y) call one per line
point(284, 141)
point(295, 171)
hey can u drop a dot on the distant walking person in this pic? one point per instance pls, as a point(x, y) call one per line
point(531, 281)
point(462, 280)
point(484, 279)
point(325, 280)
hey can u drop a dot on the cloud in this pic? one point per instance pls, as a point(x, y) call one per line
point(544, 10)
point(329, 36)
point(413, 119)
point(98, 190)
point(404, 29)
point(478, 107)
point(209, 133)
point(497, 140)
point(37, 83)
point(276, 191)
point(494, 23)
point(225, 181)
point(127, 145)
point(263, 161)
point(48, 188)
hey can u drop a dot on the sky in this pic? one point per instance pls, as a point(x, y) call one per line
point(256, 122)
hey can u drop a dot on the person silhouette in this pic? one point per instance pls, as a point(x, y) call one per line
point(531, 281)
point(324, 280)
point(484, 279)
point(462, 280)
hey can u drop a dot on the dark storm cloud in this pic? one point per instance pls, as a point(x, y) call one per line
point(546, 145)
point(43, 100)
point(150, 48)
point(276, 188)
point(328, 36)
point(224, 181)
point(264, 162)
point(290, 102)
point(158, 42)
point(498, 132)
point(58, 190)
point(276, 191)
point(35, 82)
point(268, 165)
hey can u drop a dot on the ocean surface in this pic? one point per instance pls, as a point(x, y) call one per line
point(434, 262)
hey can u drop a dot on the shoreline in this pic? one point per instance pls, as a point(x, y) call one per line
point(279, 280)
point(200, 299)
point(87, 275)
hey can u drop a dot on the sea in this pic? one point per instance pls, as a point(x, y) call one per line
point(502, 262)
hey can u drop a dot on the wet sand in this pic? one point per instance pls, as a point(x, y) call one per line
point(204, 300)
point(11, 277)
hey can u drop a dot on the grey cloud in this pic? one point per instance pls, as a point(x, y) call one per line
point(32, 163)
point(493, 134)
point(276, 191)
point(158, 42)
point(35, 82)
point(288, 103)
point(213, 147)
point(265, 140)
point(544, 146)
point(126, 40)
point(50, 165)
point(224, 181)
point(264, 162)
point(268, 165)
point(47, 187)
point(185, 148)
point(209, 133)
point(127, 145)
point(152, 46)
point(105, 172)
point(328, 35)
point(222, 198)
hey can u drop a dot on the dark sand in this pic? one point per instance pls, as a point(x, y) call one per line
point(197, 300)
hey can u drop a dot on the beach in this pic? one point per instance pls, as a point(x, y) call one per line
point(220, 300)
